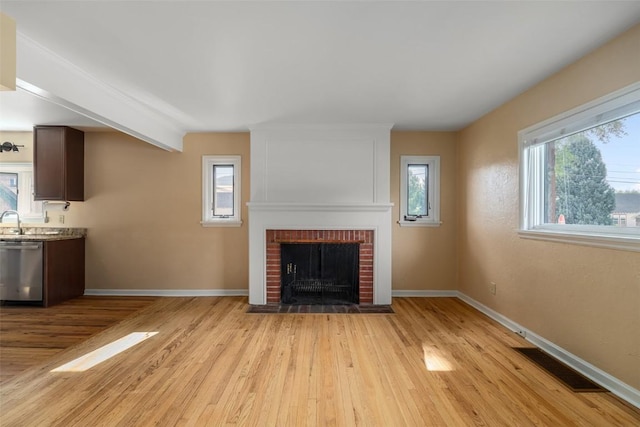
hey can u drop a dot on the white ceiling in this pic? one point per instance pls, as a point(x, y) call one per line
point(226, 66)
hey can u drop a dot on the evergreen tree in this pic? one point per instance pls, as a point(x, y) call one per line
point(583, 194)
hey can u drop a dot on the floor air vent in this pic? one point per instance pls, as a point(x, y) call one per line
point(572, 379)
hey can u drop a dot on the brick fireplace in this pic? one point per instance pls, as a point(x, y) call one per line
point(315, 184)
point(364, 238)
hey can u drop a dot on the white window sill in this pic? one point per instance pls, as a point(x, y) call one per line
point(404, 223)
point(608, 241)
point(222, 223)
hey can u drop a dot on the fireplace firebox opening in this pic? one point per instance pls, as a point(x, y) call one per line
point(275, 268)
point(319, 273)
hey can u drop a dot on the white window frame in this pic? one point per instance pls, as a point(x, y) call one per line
point(532, 141)
point(433, 187)
point(31, 212)
point(208, 219)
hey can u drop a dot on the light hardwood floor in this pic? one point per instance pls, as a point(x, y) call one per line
point(211, 363)
point(32, 335)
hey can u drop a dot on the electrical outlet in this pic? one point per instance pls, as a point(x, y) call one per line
point(522, 333)
point(61, 219)
point(492, 288)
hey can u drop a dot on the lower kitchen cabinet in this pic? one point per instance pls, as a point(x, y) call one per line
point(63, 270)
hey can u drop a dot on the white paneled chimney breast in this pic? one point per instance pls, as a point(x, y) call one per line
point(320, 177)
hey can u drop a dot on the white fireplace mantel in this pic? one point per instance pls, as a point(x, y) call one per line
point(319, 207)
point(320, 178)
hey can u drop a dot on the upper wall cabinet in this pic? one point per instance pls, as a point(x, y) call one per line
point(58, 163)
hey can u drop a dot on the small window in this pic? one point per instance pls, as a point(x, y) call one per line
point(221, 191)
point(580, 174)
point(16, 192)
point(420, 191)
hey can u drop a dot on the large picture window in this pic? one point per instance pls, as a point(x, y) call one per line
point(580, 174)
point(221, 191)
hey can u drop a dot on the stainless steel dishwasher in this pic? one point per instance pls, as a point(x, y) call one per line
point(21, 271)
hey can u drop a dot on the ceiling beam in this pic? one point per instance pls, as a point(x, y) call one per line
point(47, 75)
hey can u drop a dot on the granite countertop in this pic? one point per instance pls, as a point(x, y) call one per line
point(41, 234)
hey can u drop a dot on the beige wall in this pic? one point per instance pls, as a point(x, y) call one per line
point(424, 258)
point(7, 52)
point(143, 211)
point(586, 300)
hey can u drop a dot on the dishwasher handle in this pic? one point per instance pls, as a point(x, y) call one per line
point(20, 247)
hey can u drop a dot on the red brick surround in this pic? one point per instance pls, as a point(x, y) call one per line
point(363, 237)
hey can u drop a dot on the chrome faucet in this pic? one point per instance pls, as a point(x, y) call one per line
point(17, 217)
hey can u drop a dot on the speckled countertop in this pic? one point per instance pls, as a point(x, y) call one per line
point(41, 234)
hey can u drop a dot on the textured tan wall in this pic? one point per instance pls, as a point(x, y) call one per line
point(586, 300)
point(143, 212)
point(424, 258)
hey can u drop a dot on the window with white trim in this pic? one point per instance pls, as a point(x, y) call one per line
point(221, 191)
point(420, 191)
point(16, 192)
point(580, 174)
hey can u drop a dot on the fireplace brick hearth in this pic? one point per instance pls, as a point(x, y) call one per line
point(363, 237)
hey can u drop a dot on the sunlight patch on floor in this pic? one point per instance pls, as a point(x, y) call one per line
point(95, 357)
point(435, 359)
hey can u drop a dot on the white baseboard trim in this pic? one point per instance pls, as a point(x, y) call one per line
point(423, 293)
point(238, 292)
point(168, 292)
point(614, 385)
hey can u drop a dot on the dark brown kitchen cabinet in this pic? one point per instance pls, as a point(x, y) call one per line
point(63, 270)
point(58, 163)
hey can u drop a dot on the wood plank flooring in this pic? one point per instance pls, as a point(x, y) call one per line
point(435, 362)
point(32, 335)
